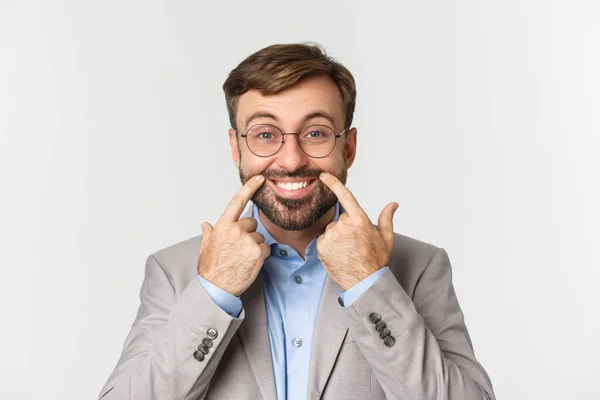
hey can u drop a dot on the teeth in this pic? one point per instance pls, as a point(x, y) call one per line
point(292, 186)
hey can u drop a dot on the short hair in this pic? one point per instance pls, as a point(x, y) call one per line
point(278, 67)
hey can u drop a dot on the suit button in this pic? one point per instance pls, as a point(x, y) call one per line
point(385, 332)
point(374, 317)
point(198, 356)
point(389, 341)
point(380, 326)
point(207, 342)
point(212, 333)
point(203, 349)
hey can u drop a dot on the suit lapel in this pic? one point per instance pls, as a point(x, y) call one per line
point(330, 331)
point(254, 334)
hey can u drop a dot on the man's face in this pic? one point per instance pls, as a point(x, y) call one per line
point(307, 103)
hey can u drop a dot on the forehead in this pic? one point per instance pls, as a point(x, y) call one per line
point(291, 106)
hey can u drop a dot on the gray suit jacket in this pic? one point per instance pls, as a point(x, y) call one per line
point(432, 357)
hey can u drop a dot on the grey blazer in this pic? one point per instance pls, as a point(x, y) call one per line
point(432, 357)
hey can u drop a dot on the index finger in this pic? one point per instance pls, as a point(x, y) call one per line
point(237, 204)
point(344, 195)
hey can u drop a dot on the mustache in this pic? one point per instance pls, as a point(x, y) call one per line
point(282, 174)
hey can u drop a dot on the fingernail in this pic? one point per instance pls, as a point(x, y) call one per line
point(395, 207)
point(259, 178)
point(324, 175)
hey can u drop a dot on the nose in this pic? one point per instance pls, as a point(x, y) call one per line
point(290, 156)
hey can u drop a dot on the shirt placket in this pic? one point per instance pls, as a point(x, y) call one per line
point(297, 328)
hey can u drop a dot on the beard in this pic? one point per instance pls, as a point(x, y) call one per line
point(298, 213)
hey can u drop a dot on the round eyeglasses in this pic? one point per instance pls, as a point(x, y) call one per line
point(317, 141)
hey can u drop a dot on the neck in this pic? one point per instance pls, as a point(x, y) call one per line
point(298, 240)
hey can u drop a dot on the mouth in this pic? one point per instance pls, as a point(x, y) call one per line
point(293, 189)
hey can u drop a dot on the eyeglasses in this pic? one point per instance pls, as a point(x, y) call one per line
point(316, 141)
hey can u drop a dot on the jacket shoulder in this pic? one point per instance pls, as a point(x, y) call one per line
point(409, 259)
point(180, 260)
point(407, 249)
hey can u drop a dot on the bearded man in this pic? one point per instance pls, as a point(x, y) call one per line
point(300, 296)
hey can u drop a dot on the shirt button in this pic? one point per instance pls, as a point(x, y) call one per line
point(282, 253)
point(298, 279)
point(297, 342)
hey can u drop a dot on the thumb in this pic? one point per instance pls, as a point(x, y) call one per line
point(206, 229)
point(386, 220)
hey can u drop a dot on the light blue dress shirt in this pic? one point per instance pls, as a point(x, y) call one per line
point(292, 288)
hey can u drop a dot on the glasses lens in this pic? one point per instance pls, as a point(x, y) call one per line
point(317, 140)
point(264, 140)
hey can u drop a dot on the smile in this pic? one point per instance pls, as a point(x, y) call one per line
point(292, 185)
point(293, 189)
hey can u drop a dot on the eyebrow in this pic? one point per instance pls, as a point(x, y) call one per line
point(260, 114)
point(313, 115)
point(319, 114)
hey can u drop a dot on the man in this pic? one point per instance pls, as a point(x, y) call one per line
point(301, 296)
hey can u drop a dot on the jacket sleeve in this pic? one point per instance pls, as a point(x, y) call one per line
point(431, 356)
point(157, 361)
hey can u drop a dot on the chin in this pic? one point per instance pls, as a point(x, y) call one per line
point(293, 214)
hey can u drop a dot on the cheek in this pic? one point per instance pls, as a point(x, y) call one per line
point(252, 165)
point(332, 164)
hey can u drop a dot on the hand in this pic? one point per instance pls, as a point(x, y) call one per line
point(353, 248)
point(232, 253)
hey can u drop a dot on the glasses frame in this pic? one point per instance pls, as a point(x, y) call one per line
point(297, 134)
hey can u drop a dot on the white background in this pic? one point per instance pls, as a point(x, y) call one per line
point(481, 119)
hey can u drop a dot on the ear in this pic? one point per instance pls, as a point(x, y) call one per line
point(350, 148)
point(235, 147)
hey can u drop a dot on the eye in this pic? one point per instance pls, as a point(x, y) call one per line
point(265, 135)
point(317, 134)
